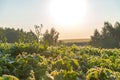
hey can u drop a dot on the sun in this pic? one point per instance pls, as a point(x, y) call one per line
point(68, 12)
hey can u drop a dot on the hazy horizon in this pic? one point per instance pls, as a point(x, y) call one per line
point(73, 19)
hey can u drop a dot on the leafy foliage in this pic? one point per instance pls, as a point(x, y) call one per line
point(101, 74)
point(8, 77)
point(29, 62)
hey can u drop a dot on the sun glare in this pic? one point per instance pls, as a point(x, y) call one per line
point(68, 12)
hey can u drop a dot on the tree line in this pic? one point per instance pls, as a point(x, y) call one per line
point(109, 37)
point(11, 35)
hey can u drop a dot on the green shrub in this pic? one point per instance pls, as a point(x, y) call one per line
point(101, 74)
point(8, 77)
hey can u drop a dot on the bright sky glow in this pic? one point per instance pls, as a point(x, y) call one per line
point(71, 18)
point(68, 12)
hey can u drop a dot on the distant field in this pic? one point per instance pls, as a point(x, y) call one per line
point(75, 40)
point(79, 42)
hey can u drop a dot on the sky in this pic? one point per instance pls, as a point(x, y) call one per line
point(89, 16)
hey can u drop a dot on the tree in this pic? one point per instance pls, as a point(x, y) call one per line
point(31, 37)
point(95, 39)
point(38, 32)
point(21, 36)
point(2, 35)
point(108, 38)
point(11, 35)
point(51, 37)
point(107, 30)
